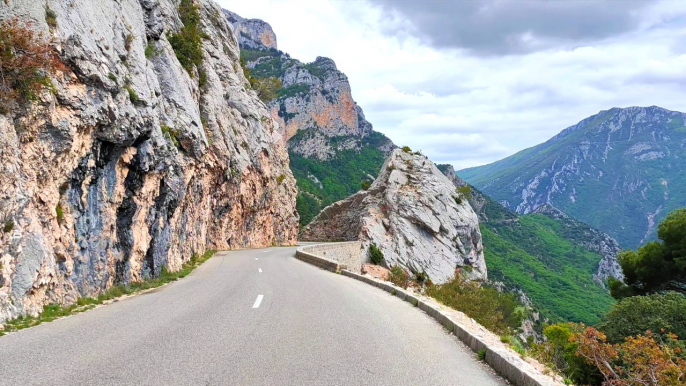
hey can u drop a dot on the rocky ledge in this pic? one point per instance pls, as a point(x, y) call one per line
point(413, 215)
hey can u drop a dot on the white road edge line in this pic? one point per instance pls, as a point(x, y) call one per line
point(258, 301)
point(259, 270)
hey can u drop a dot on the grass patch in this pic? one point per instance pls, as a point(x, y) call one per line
point(50, 17)
point(398, 277)
point(54, 311)
point(59, 212)
point(133, 97)
point(481, 355)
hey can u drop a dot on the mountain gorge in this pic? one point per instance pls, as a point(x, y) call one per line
point(559, 263)
point(332, 147)
point(620, 171)
point(148, 148)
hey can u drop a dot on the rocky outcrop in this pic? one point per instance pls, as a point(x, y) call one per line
point(133, 164)
point(251, 33)
point(315, 106)
point(415, 217)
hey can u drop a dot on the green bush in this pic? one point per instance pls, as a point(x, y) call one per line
point(280, 179)
point(398, 277)
point(497, 311)
point(365, 184)
point(9, 226)
point(50, 17)
point(59, 212)
point(464, 192)
point(187, 43)
point(170, 134)
point(151, 51)
point(133, 97)
point(375, 255)
point(560, 354)
point(407, 149)
point(637, 314)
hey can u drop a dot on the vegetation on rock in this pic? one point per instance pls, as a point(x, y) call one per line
point(497, 311)
point(375, 255)
point(26, 62)
point(187, 43)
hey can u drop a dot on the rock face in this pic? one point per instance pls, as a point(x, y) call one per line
point(413, 214)
point(252, 33)
point(132, 165)
point(332, 146)
point(620, 171)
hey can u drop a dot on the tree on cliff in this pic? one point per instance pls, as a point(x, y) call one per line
point(656, 266)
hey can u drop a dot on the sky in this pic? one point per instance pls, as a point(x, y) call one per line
point(471, 82)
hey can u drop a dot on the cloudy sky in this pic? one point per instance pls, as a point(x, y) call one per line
point(470, 82)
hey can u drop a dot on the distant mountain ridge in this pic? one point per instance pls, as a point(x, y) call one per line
point(620, 171)
point(332, 146)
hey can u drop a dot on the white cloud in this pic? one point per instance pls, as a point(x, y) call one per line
point(469, 110)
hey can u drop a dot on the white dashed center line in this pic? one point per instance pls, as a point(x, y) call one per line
point(256, 258)
point(258, 301)
point(259, 270)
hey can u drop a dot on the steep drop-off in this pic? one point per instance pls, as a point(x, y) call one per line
point(620, 171)
point(133, 163)
point(414, 216)
point(332, 147)
point(561, 264)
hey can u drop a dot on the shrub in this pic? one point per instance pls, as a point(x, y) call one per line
point(464, 192)
point(407, 149)
point(560, 353)
point(640, 360)
point(26, 62)
point(9, 226)
point(50, 17)
point(481, 355)
point(498, 312)
point(133, 97)
point(398, 277)
point(170, 134)
point(365, 184)
point(280, 179)
point(375, 255)
point(151, 51)
point(187, 43)
point(267, 88)
point(128, 41)
point(59, 212)
point(636, 315)
point(421, 277)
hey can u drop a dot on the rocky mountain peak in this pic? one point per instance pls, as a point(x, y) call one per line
point(252, 33)
point(414, 215)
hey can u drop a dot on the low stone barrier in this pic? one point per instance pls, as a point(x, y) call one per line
point(504, 361)
point(347, 255)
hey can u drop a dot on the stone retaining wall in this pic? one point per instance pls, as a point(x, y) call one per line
point(347, 255)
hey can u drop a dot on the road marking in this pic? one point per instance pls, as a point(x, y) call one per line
point(258, 301)
point(259, 270)
point(265, 251)
point(256, 258)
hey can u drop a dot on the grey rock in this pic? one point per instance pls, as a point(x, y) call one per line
point(139, 185)
point(411, 212)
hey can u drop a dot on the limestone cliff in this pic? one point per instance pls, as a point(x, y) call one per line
point(332, 146)
point(413, 214)
point(133, 164)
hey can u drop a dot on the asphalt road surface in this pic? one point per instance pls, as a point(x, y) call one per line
point(253, 317)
